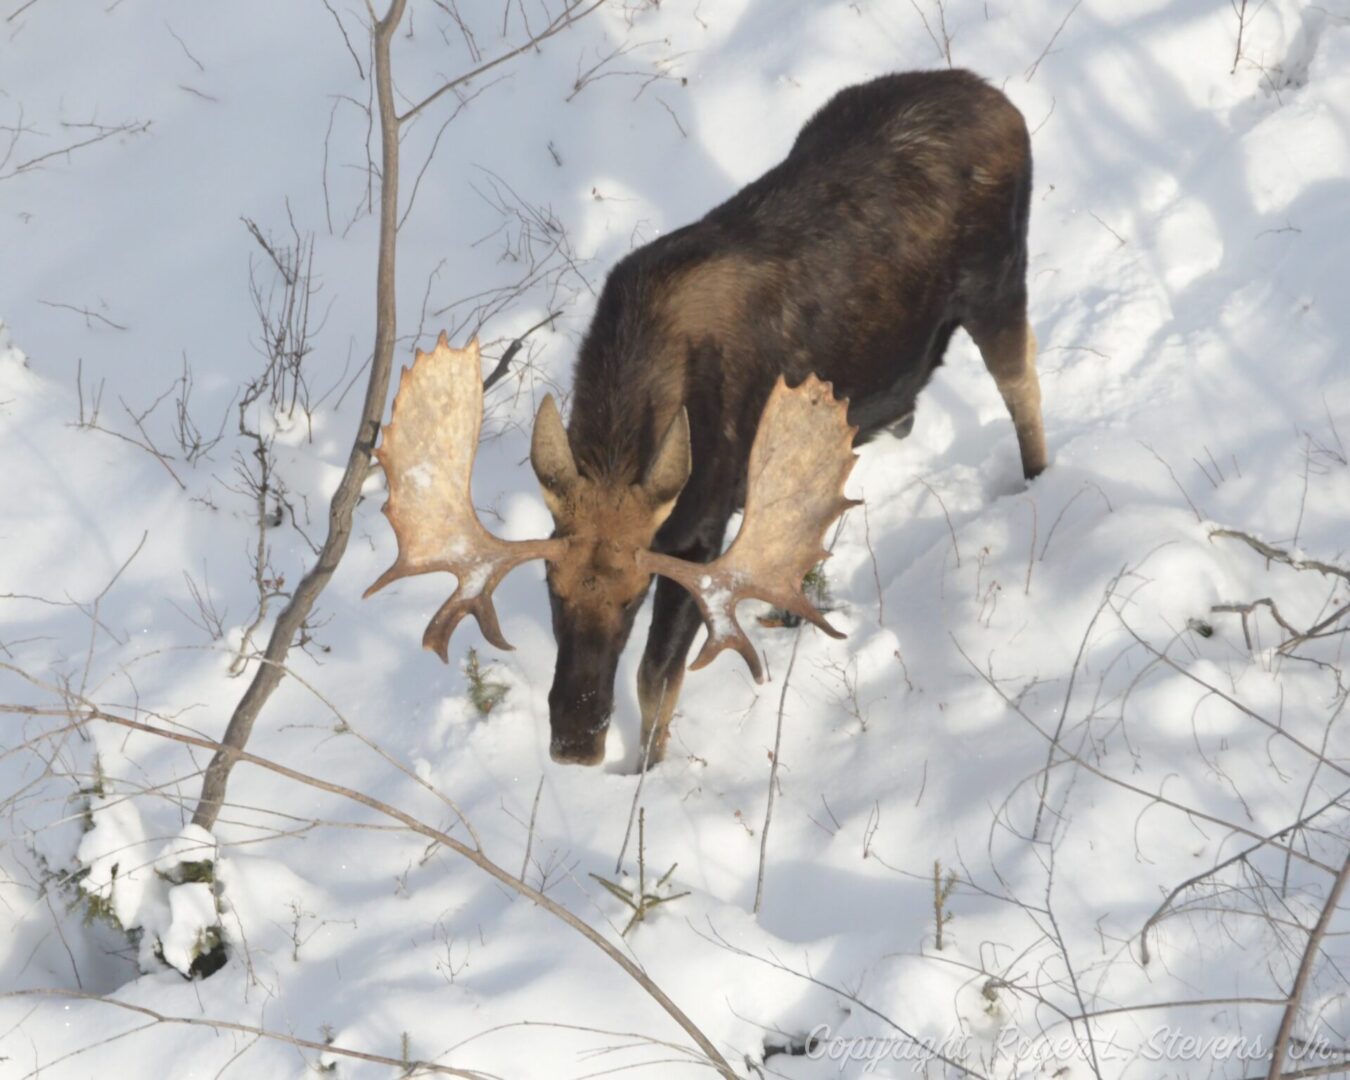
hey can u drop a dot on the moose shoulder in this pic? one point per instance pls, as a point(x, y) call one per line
point(899, 214)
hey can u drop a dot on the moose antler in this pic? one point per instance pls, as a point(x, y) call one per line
point(427, 455)
point(801, 458)
point(799, 462)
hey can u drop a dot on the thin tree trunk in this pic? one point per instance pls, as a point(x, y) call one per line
point(340, 511)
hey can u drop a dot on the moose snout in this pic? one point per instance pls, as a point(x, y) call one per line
point(578, 744)
point(579, 723)
point(566, 751)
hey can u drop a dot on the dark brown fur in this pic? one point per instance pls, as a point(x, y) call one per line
point(899, 214)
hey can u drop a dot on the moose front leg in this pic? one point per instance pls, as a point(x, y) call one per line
point(1010, 355)
point(675, 622)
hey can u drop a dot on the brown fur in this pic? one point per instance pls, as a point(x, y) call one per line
point(605, 527)
point(899, 215)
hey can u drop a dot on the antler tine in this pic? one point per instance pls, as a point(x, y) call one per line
point(427, 453)
point(800, 460)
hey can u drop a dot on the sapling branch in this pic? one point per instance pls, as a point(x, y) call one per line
point(297, 610)
point(85, 710)
point(641, 900)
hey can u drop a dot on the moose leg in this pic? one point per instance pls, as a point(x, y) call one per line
point(675, 621)
point(1010, 355)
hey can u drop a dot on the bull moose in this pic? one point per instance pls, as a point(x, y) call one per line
point(899, 214)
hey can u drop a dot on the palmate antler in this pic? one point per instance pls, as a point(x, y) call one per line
point(427, 455)
point(799, 462)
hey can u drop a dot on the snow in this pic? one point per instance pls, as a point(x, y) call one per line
point(421, 475)
point(148, 896)
point(192, 912)
point(114, 851)
point(1187, 277)
point(717, 604)
point(475, 577)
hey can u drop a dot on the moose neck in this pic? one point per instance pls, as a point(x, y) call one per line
point(638, 363)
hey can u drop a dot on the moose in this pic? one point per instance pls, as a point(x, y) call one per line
point(899, 214)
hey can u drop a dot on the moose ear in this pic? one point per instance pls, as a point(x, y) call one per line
point(551, 453)
point(666, 475)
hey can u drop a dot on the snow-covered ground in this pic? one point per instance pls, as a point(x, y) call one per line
point(1188, 279)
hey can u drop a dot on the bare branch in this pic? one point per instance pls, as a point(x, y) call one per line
point(1275, 554)
point(87, 710)
point(228, 1025)
point(773, 772)
point(85, 312)
point(576, 10)
point(129, 128)
point(504, 364)
point(1156, 797)
point(342, 29)
point(1031, 71)
point(343, 506)
point(1304, 972)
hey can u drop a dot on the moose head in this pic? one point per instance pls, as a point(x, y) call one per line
point(600, 559)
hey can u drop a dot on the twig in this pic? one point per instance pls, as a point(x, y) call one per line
point(461, 104)
point(1246, 609)
point(639, 900)
point(1242, 856)
point(773, 771)
point(1108, 228)
point(229, 1025)
point(1277, 555)
point(343, 506)
point(926, 1047)
point(574, 11)
point(1162, 461)
point(1155, 797)
point(950, 528)
point(85, 312)
point(1031, 71)
point(1303, 496)
point(149, 445)
point(1031, 550)
point(1241, 12)
point(130, 128)
point(529, 837)
point(96, 402)
point(662, 102)
point(1055, 524)
point(504, 364)
point(943, 47)
point(876, 573)
point(1304, 971)
point(642, 778)
point(1277, 729)
point(360, 71)
point(183, 45)
point(87, 710)
point(20, 10)
point(1064, 708)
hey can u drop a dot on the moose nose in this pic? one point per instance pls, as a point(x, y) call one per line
point(588, 749)
point(578, 716)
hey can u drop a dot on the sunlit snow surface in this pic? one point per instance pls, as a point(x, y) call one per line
point(1188, 289)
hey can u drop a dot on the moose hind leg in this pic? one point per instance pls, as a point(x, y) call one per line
point(1010, 355)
